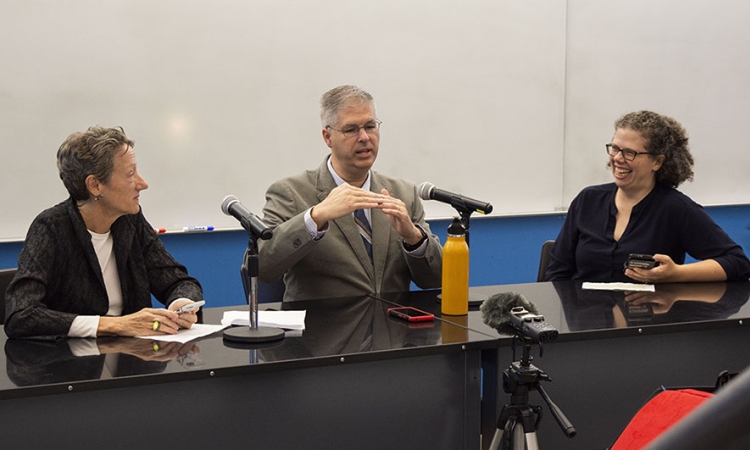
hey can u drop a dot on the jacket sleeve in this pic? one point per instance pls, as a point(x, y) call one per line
point(425, 271)
point(168, 279)
point(284, 213)
point(30, 301)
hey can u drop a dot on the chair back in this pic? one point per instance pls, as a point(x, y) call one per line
point(544, 259)
point(6, 275)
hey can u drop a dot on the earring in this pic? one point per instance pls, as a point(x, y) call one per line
point(98, 197)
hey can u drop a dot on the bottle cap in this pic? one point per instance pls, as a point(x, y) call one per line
point(456, 228)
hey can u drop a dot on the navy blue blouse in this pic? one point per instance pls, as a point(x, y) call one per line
point(666, 221)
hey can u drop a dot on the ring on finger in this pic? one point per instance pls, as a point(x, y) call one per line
point(156, 325)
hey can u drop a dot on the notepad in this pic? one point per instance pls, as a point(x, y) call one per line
point(185, 335)
point(619, 287)
point(288, 320)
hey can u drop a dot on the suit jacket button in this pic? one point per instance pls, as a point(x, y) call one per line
point(297, 242)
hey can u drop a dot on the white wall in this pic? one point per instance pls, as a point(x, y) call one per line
point(506, 101)
point(686, 59)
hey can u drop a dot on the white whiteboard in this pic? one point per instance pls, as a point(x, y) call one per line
point(509, 102)
point(686, 59)
point(222, 97)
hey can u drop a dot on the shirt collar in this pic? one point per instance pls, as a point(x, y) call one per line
point(339, 181)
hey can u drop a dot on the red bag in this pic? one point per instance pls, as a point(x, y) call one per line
point(661, 412)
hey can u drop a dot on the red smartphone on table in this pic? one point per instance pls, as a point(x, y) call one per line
point(411, 314)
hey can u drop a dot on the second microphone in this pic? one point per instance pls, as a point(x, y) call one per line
point(231, 206)
point(428, 191)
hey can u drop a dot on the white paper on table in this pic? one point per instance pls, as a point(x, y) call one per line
point(184, 335)
point(619, 287)
point(288, 320)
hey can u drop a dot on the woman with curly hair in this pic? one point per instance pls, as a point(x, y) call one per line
point(643, 212)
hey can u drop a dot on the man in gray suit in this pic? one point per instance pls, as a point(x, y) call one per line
point(319, 247)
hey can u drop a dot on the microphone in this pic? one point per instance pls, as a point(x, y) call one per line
point(428, 191)
point(496, 310)
point(231, 206)
point(510, 312)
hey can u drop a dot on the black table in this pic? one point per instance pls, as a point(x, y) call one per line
point(355, 378)
point(613, 352)
point(404, 386)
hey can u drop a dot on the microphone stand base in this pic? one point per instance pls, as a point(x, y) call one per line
point(253, 335)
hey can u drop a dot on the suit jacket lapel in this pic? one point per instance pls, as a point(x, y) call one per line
point(84, 237)
point(350, 230)
point(381, 235)
point(346, 224)
point(121, 245)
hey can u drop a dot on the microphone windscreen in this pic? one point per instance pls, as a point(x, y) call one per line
point(228, 200)
point(496, 309)
point(424, 190)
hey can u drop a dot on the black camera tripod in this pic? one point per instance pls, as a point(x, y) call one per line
point(518, 421)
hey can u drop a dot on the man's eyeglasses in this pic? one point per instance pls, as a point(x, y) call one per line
point(349, 131)
point(613, 150)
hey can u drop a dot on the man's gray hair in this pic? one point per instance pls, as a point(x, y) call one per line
point(338, 98)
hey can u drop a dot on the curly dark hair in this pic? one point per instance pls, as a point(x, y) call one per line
point(663, 136)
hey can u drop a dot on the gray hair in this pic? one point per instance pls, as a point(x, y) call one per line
point(338, 98)
point(91, 152)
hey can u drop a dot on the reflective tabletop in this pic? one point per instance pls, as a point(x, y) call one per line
point(579, 313)
point(354, 329)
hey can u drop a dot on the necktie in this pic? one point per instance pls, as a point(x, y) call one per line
point(364, 230)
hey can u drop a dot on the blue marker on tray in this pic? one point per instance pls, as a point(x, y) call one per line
point(195, 229)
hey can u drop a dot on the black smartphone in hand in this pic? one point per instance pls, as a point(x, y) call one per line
point(641, 261)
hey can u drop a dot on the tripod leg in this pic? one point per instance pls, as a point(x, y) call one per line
point(515, 436)
point(529, 416)
point(497, 438)
point(531, 442)
point(517, 440)
point(505, 427)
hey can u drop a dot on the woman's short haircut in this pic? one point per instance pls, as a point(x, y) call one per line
point(90, 152)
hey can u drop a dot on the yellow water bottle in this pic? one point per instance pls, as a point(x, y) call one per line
point(455, 295)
